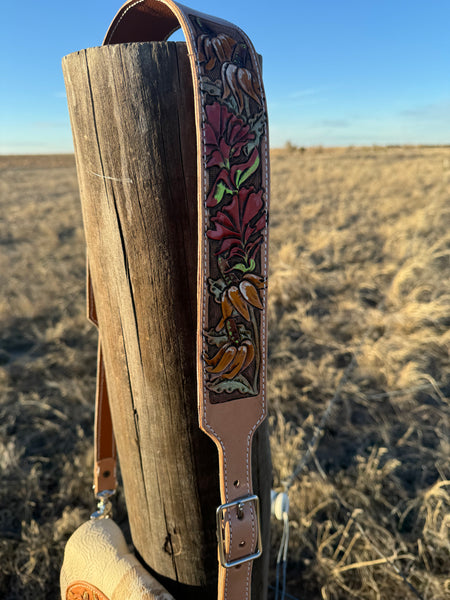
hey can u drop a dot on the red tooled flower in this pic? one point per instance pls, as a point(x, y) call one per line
point(225, 135)
point(238, 226)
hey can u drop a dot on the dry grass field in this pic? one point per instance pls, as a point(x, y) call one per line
point(359, 378)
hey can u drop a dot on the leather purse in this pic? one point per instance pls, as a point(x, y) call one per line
point(98, 566)
point(233, 200)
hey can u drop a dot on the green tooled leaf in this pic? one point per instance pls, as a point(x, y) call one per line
point(244, 175)
point(211, 88)
point(216, 287)
point(216, 339)
point(257, 126)
point(220, 192)
point(245, 268)
point(238, 384)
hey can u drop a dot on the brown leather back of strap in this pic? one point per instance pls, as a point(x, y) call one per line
point(233, 188)
point(105, 447)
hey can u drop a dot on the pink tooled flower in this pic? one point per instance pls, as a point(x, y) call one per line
point(225, 135)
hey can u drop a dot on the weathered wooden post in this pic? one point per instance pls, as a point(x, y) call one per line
point(132, 114)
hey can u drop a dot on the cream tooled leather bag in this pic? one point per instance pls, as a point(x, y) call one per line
point(98, 566)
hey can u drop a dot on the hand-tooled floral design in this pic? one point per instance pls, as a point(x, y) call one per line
point(238, 82)
point(237, 229)
point(214, 50)
point(236, 212)
point(241, 296)
point(238, 226)
point(80, 591)
point(225, 135)
point(233, 357)
point(229, 180)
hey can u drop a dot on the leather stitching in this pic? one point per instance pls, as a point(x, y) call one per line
point(265, 251)
point(122, 16)
point(129, 8)
point(203, 192)
point(205, 252)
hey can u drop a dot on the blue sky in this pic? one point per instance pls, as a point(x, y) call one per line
point(336, 72)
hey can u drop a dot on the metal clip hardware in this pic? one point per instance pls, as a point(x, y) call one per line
point(104, 506)
point(239, 504)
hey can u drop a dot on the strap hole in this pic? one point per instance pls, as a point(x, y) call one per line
point(237, 483)
point(237, 566)
point(241, 544)
point(106, 474)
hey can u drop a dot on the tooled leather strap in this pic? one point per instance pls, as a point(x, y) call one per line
point(233, 187)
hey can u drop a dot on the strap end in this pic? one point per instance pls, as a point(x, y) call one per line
point(105, 475)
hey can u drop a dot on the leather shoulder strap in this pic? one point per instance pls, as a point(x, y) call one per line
point(233, 188)
point(105, 453)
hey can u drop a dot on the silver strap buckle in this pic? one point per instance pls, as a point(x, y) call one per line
point(220, 517)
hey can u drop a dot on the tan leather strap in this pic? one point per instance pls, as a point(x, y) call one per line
point(105, 457)
point(233, 186)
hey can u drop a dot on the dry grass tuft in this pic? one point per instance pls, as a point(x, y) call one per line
point(358, 297)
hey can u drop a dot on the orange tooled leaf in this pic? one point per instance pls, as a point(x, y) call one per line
point(238, 303)
point(250, 294)
point(210, 64)
point(203, 45)
point(227, 310)
point(223, 46)
point(225, 360)
point(250, 353)
point(248, 84)
point(215, 359)
point(257, 281)
point(227, 80)
point(237, 364)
